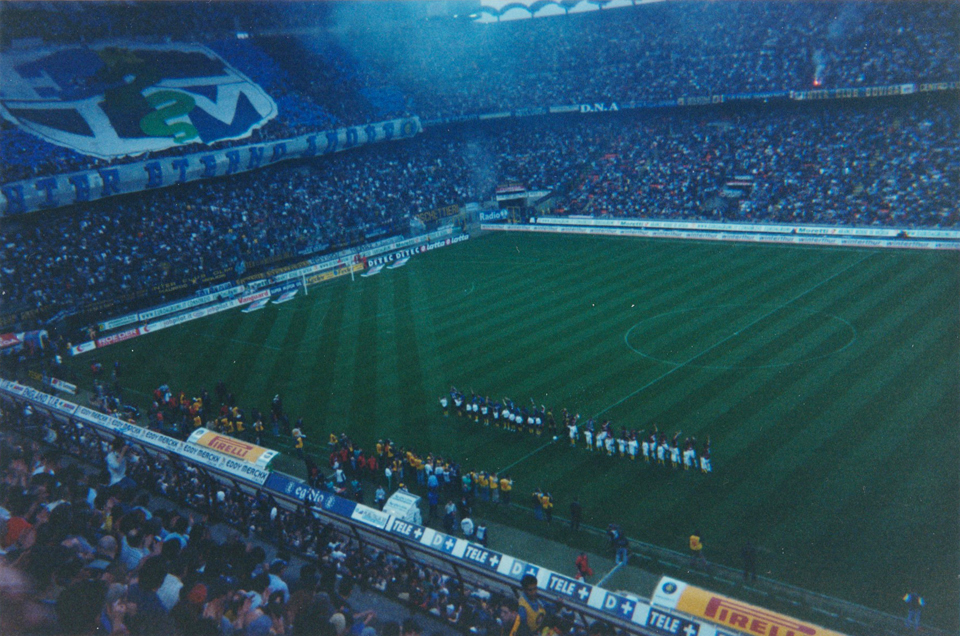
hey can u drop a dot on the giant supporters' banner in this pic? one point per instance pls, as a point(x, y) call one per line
point(124, 98)
point(233, 447)
point(66, 189)
point(730, 613)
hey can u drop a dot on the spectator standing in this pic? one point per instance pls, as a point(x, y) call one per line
point(532, 615)
point(466, 524)
point(623, 548)
point(449, 517)
point(914, 604)
point(582, 564)
point(482, 534)
point(576, 513)
point(380, 497)
point(749, 554)
point(117, 465)
point(151, 616)
point(696, 550)
point(506, 486)
point(277, 584)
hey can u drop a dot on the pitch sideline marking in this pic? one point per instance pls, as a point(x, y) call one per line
point(610, 573)
point(526, 457)
point(736, 333)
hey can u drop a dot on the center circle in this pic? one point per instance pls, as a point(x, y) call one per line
point(665, 336)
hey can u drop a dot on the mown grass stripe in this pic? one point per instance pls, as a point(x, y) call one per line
point(509, 312)
point(846, 473)
point(556, 285)
point(614, 376)
point(409, 365)
point(365, 371)
point(575, 329)
point(749, 325)
point(322, 354)
point(859, 393)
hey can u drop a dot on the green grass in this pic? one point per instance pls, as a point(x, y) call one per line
point(827, 380)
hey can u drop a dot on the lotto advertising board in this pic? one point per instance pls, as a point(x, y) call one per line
point(738, 616)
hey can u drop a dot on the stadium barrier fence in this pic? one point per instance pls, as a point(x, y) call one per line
point(795, 235)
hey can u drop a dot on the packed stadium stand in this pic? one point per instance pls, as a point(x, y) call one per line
point(839, 114)
point(875, 165)
point(78, 541)
point(350, 71)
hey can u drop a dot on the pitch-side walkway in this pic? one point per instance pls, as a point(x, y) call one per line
point(648, 563)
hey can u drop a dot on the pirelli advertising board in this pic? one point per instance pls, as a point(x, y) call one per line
point(235, 448)
point(729, 613)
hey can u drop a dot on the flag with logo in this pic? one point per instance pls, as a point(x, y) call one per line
point(129, 99)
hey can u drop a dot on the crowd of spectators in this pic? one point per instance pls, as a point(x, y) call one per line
point(853, 164)
point(664, 51)
point(131, 550)
point(80, 23)
point(121, 246)
point(349, 71)
point(863, 166)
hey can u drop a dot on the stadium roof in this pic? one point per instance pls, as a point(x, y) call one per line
point(505, 10)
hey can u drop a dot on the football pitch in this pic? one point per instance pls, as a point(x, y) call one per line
point(827, 379)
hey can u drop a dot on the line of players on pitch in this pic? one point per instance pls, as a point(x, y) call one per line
point(654, 447)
